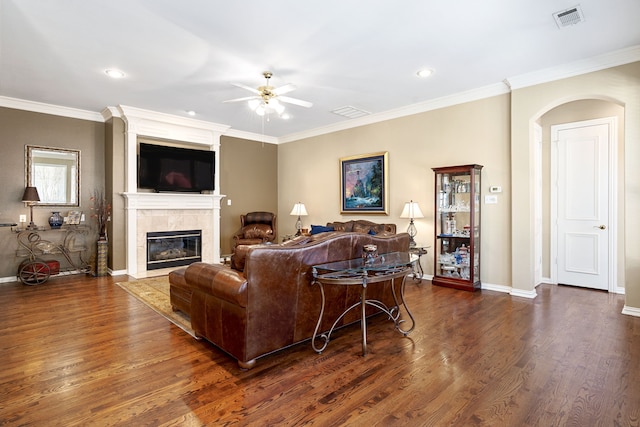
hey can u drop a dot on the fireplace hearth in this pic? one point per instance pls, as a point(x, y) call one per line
point(173, 248)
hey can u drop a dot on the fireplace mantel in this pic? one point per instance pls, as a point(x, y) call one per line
point(171, 201)
point(171, 211)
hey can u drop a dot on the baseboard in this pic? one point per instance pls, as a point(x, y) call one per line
point(524, 293)
point(497, 288)
point(631, 311)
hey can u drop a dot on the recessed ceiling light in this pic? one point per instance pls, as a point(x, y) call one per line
point(425, 72)
point(191, 112)
point(115, 74)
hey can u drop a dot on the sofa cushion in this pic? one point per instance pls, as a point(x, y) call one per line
point(341, 226)
point(297, 241)
point(361, 228)
point(222, 283)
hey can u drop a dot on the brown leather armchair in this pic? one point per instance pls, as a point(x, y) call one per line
point(255, 228)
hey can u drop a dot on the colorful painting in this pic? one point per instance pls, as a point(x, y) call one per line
point(363, 181)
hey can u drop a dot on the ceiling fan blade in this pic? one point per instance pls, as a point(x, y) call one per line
point(245, 98)
point(285, 89)
point(295, 101)
point(249, 88)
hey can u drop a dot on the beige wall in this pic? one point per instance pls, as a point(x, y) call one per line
point(249, 178)
point(475, 132)
point(619, 85)
point(19, 128)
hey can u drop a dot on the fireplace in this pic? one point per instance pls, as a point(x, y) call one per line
point(173, 248)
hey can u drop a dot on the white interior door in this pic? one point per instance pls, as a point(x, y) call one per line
point(582, 202)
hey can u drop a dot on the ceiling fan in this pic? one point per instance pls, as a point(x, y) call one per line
point(266, 98)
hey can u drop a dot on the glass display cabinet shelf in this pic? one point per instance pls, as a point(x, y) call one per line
point(457, 227)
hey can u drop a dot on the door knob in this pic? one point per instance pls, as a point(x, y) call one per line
point(601, 227)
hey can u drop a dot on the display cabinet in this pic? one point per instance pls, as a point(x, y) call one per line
point(457, 227)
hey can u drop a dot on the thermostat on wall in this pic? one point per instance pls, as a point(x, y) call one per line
point(495, 189)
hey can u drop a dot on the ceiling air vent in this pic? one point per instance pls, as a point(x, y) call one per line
point(350, 112)
point(569, 17)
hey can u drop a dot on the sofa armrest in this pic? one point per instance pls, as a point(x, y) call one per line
point(219, 281)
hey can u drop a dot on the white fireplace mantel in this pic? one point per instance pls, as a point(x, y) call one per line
point(171, 201)
point(192, 207)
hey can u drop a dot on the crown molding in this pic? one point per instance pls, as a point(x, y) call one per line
point(576, 68)
point(135, 113)
point(56, 110)
point(252, 136)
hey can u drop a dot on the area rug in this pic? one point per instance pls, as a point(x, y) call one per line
point(154, 292)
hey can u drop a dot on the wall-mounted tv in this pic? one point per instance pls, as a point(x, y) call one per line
point(164, 168)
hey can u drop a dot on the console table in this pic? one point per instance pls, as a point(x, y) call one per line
point(358, 272)
point(68, 243)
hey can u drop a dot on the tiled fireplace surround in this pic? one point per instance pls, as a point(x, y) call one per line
point(172, 212)
point(150, 212)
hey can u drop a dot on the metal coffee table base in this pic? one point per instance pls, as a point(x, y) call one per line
point(365, 280)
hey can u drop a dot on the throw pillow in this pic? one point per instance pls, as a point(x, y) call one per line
point(315, 229)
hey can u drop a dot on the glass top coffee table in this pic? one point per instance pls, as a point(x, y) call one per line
point(358, 272)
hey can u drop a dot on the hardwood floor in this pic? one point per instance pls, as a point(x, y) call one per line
point(81, 351)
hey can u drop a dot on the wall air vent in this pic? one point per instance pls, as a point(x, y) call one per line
point(350, 112)
point(569, 17)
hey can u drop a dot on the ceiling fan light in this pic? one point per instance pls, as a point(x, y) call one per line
point(260, 110)
point(279, 108)
point(254, 103)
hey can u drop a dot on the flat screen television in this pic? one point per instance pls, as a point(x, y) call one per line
point(164, 168)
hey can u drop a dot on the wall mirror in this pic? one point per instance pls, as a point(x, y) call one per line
point(55, 172)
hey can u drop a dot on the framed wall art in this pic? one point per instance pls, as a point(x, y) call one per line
point(364, 184)
point(73, 217)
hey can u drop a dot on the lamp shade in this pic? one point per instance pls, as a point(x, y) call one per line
point(299, 210)
point(411, 210)
point(30, 195)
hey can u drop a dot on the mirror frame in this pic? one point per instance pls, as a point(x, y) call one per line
point(30, 164)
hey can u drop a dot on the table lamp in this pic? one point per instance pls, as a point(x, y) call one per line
point(411, 210)
point(299, 210)
point(30, 197)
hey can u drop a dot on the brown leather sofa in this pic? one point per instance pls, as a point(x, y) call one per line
point(363, 226)
point(273, 304)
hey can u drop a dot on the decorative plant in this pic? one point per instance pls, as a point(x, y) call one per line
point(101, 211)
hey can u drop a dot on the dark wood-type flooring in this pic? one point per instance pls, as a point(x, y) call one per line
point(79, 350)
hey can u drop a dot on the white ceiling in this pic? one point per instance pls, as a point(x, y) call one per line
point(181, 55)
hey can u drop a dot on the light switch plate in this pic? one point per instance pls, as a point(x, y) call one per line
point(23, 218)
point(490, 200)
